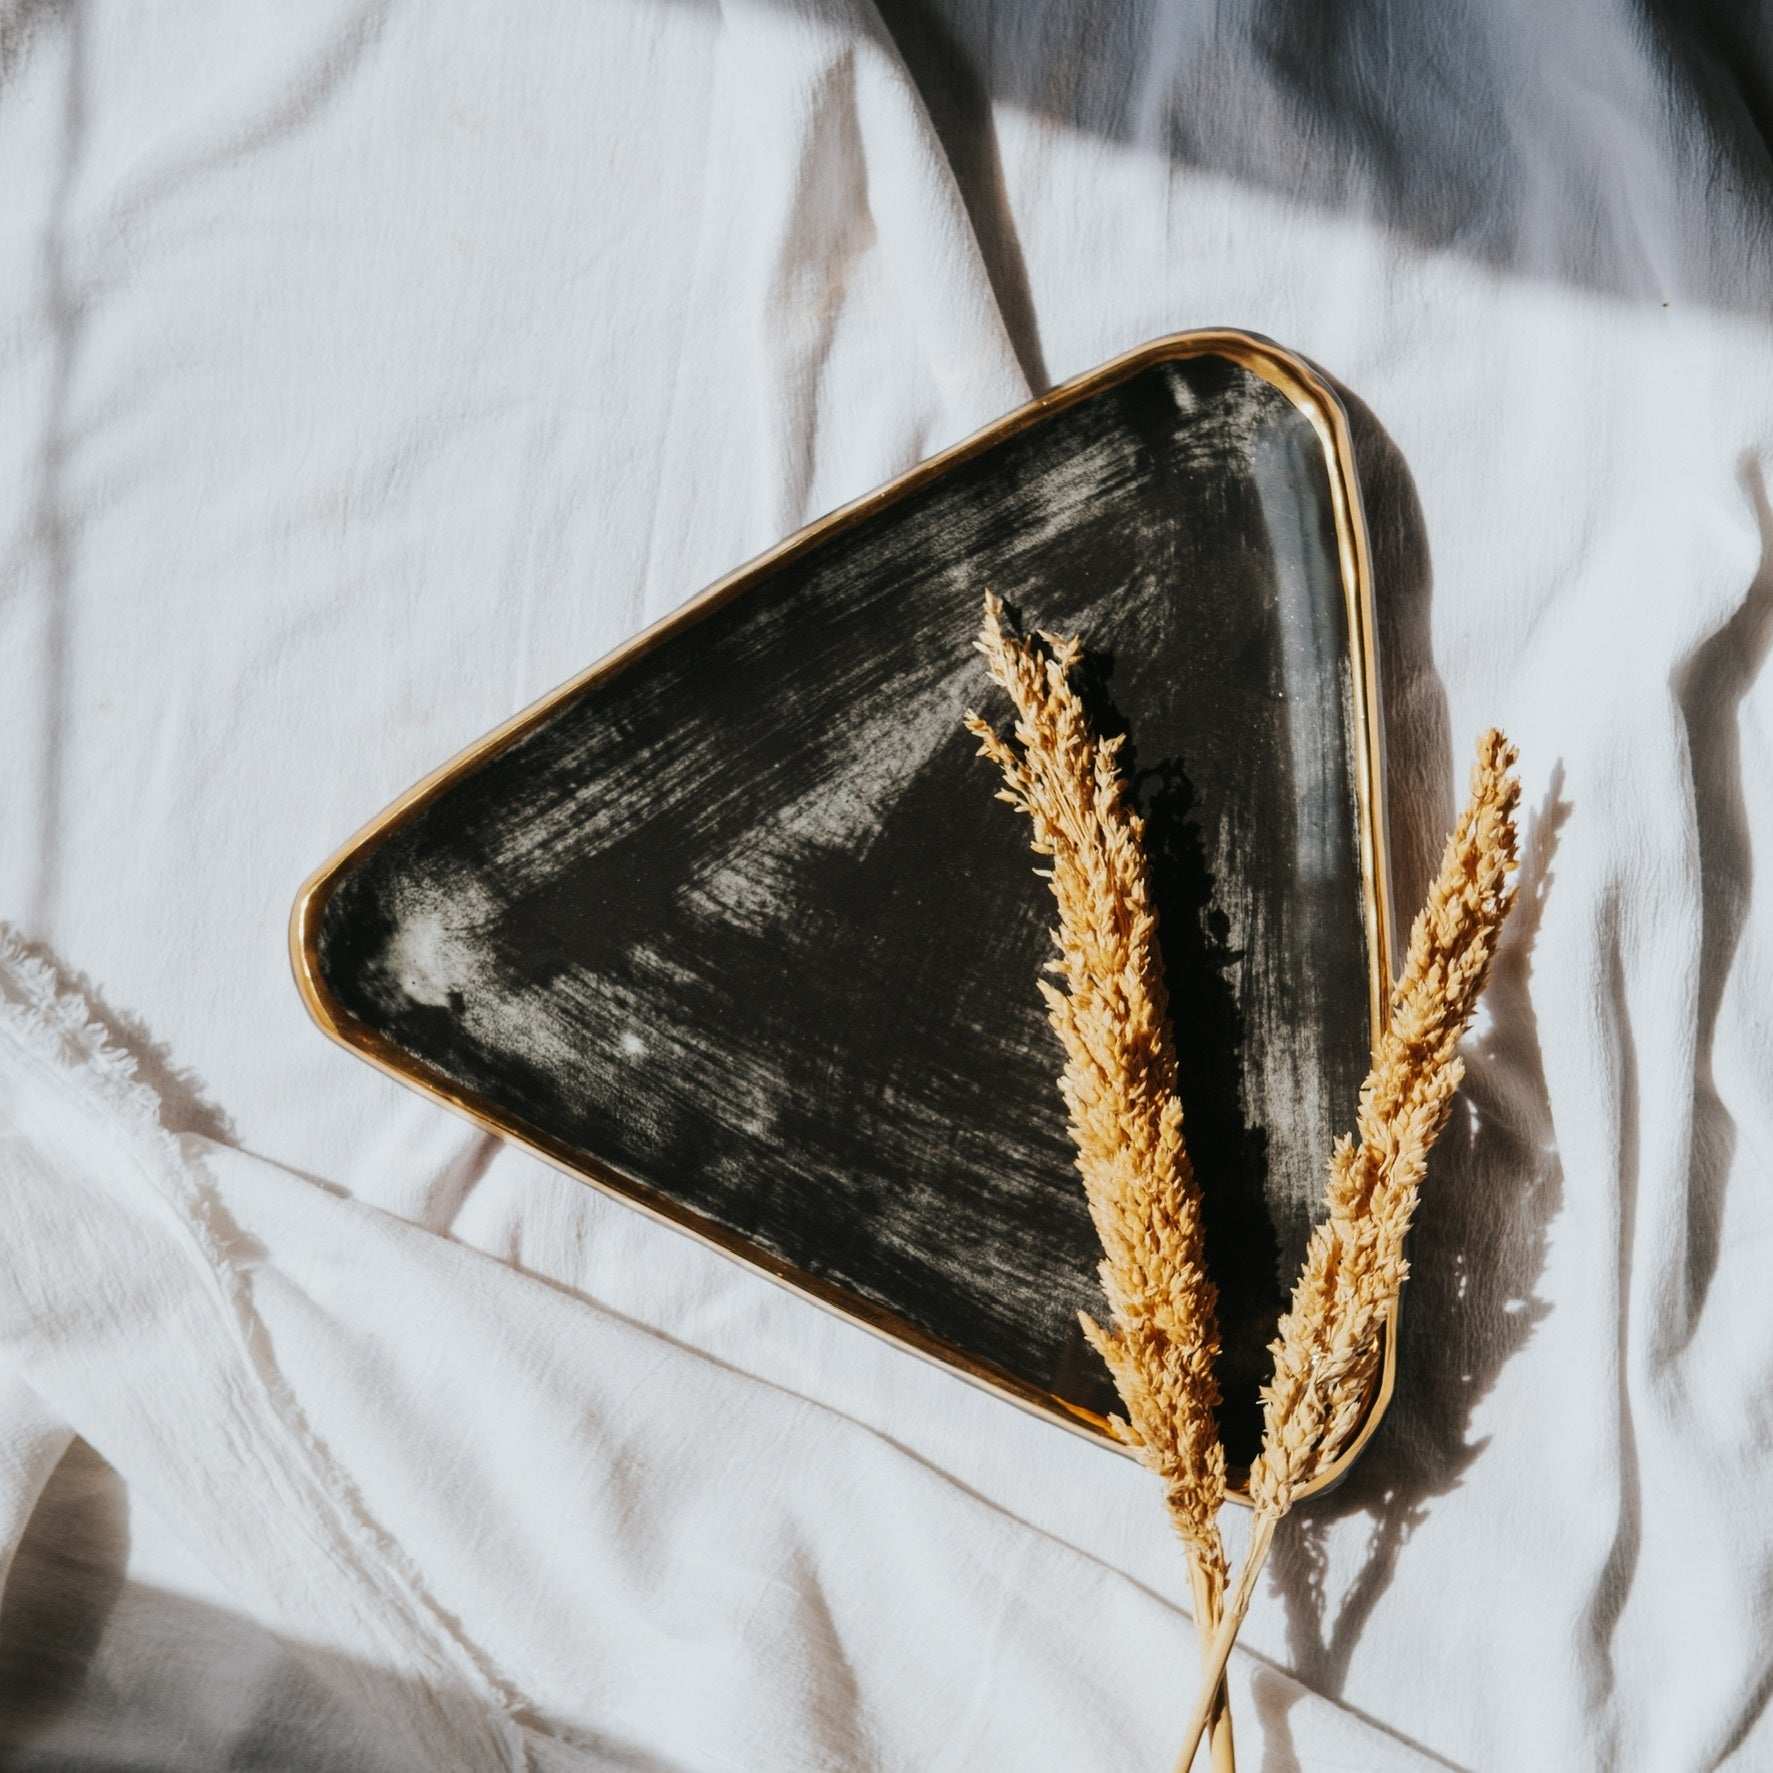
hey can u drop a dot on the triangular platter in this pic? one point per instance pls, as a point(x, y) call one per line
point(732, 926)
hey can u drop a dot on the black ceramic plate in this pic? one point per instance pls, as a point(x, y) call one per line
point(733, 926)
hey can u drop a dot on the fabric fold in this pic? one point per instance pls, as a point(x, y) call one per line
point(442, 1480)
point(126, 1300)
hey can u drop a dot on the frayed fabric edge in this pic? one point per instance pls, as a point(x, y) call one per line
point(54, 1025)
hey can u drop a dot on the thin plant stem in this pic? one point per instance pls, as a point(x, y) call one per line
point(1237, 1604)
point(1208, 1589)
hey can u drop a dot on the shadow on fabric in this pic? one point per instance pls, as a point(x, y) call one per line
point(60, 1593)
point(1449, 127)
point(1710, 690)
point(99, 1672)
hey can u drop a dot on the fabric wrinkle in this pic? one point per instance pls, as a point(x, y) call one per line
point(364, 373)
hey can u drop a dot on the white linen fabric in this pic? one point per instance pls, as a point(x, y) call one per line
point(364, 370)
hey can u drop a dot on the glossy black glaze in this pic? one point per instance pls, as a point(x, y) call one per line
point(745, 923)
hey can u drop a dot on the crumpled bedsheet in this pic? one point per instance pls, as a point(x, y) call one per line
point(366, 370)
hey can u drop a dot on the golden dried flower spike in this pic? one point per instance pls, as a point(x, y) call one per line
point(1329, 1341)
point(1119, 1086)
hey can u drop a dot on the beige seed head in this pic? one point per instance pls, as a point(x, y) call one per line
point(1119, 1080)
point(1329, 1342)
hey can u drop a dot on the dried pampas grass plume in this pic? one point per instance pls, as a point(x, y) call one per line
point(1329, 1341)
point(1119, 1085)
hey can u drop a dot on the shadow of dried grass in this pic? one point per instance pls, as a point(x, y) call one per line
point(1479, 1245)
point(1476, 1255)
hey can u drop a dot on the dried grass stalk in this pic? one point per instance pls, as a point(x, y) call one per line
point(1119, 1086)
point(1329, 1343)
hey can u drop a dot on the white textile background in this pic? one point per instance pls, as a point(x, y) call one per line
point(366, 370)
